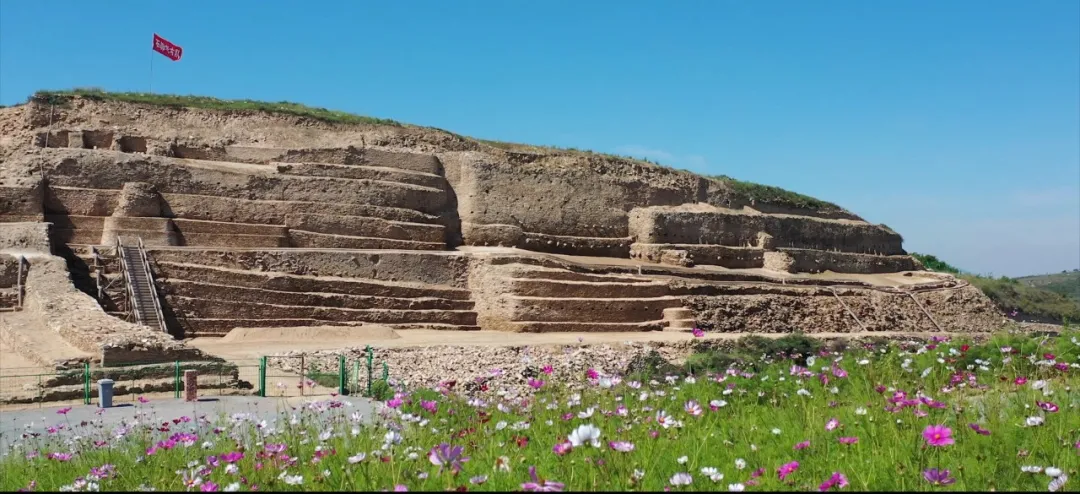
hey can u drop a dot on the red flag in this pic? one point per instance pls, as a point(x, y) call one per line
point(164, 47)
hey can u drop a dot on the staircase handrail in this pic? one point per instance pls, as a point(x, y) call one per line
point(153, 286)
point(129, 291)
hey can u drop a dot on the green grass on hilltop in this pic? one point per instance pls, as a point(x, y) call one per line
point(208, 103)
point(1012, 294)
point(774, 195)
point(759, 192)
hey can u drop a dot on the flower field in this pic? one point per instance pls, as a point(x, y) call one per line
point(938, 415)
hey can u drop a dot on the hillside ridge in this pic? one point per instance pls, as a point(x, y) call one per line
point(513, 152)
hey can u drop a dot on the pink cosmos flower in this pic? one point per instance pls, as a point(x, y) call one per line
point(142, 399)
point(540, 485)
point(1020, 381)
point(592, 374)
point(787, 469)
point(698, 333)
point(621, 446)
point(837, 480)
point(938, 477)
point(1061, 366)
point(938, 435)
point(693, 408)
point(1046, 405)
point(838, 372)
point(536, 383)
point(63, 411)
point(562, 448)
point(832, 424)
point(848, 440)
point(978, 429)
point(548, 369)
point(430, 406)
point(394, 402)
point(208, 487)
point(802, 445)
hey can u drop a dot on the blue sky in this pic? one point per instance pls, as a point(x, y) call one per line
point(956, 123)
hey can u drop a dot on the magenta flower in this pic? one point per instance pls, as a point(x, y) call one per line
point(938, 435)
point(698, 333)
point(394, 402)
point(59, 456)
point(838, 372)
point(63, 411)
point(208, 487)
point(562, 448)
point(401, 488)
point(1046, 405)
point(693, 408)
point(430, 406)
point(540, 485)
point(837, 480)
point(143, 399)
point(535, 383)
point(621, 446)
point(979, 430)
point(848, 440)
point(1061, 366)
point(548, 369)
point(592, 374)
point(801, 446)
point(832, 424)
point(1020, 381)
point(445, 455)
point(938, 477)
point(787, 469)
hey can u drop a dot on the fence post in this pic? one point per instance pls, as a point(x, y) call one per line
point(342, 375)
point(385, 372)
point(176, 382)
point(86, 383)
point(303, 374)
point(262, 376)
point(356, 376)
point(370, 357)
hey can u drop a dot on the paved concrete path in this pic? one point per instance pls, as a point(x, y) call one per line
point(13, 423)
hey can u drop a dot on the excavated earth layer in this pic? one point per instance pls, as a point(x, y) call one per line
point(261, 221)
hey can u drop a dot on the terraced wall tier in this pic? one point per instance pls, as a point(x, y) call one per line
point(80, 169)
point(733, 308)
point(448, 269)
point(718, 226)
point(816, 261)
point(716, 255)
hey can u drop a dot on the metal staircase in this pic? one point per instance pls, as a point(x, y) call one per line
point(139, 280)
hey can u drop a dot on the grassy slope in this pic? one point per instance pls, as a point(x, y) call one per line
point(1013, 294)
point(759, 192)
point(1067, 283)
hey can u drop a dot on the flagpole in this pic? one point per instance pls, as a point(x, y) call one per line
point(151, 71)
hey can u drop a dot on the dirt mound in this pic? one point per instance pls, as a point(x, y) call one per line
point(349, 334)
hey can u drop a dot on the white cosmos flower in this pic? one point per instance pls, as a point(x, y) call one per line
point(1052, 471)
point(1058, 482)
point(587, 433)
point(681, 478)
point(736, 487)
point(740, 463)
point(682, 460)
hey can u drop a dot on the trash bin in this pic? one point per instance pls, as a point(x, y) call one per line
point(105, 391)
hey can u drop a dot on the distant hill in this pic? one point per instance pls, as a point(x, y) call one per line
point(1045, 298)
point(1066, 283)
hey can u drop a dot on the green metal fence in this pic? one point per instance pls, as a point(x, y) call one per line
point(271, 376)
point(29, 385)
point(286, 376)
